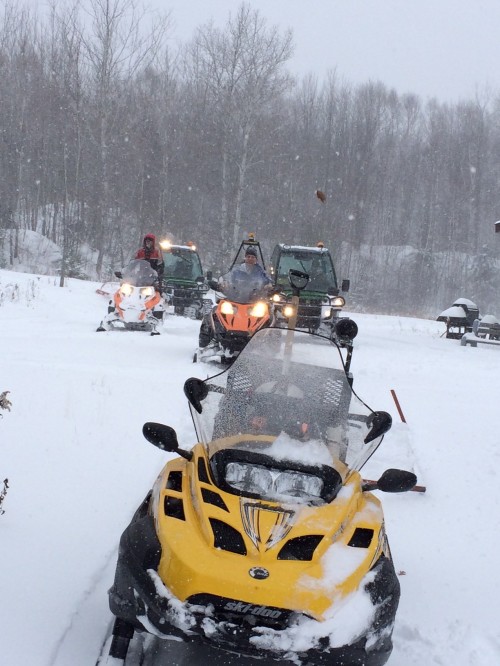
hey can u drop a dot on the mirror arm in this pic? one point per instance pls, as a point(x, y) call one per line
point(188, 455)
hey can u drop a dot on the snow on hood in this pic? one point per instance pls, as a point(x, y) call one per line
point(313, 452)
point(347, 619)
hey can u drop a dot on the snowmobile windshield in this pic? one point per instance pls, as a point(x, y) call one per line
point(284, 403)
point(139, 273)
point(241, 286)
point(316, 263)
point(181, 263)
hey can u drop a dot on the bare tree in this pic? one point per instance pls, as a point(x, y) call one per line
point(242, 70)
point(115, 50)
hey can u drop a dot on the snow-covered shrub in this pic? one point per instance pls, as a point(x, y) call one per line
point(3, 494)
point(13, 292)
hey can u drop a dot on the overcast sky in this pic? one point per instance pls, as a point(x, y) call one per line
point(449, 49)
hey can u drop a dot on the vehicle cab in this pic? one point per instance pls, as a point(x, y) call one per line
point(320, 302)
point(184, 282)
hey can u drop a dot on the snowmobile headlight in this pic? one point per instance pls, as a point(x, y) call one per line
point(288, 311)
point(277, 298)
point(258, 310)
point(228, 308)
point(274, 484)
point(126, 289)
point(338, 302)
point(146, 292)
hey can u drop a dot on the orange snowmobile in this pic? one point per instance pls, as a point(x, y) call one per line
point(242, 308)
point(137, 305)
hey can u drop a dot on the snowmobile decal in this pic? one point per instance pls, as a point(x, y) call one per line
point(266, 525)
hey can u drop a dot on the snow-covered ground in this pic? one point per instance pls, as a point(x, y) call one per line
point(78, 466)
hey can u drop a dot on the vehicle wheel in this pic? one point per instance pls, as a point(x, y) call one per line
point(205, 334)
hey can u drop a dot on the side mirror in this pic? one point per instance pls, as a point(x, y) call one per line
point(345, 285)
point(195, 391)
point(380, 423)
point(396, 481)
point(346, 329)
point(119, 275)
point(209, 275)
point(165, 438)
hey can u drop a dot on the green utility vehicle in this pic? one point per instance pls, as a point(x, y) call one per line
point(184, 284)
point(320, 302)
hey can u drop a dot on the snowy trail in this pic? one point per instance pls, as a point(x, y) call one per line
point(87, 618)
point(78, 466)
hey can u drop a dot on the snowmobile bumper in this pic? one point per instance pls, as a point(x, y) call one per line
point(230, 623)
point(112, 322)
point(232, 341)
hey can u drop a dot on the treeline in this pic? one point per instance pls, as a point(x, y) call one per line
point(106, 133)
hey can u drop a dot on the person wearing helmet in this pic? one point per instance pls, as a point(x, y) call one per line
point(153, 255)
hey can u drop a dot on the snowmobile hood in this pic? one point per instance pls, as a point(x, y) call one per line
point(220, 543)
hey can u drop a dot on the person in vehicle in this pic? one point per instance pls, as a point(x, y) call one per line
point(248, 276)
point(251, 267)
point(151, 253)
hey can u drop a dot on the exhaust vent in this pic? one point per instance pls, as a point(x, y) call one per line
point(361, 538)
point(209, 497)
point(202, 471)
point(174, 481)
point(300, 548)
point(227, 538)
point(174, 507)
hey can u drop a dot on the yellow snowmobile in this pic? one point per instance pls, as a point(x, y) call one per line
point(263, 539)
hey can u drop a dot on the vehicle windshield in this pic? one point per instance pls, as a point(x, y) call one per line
point(284, 416)
point(139, 273)
point(317, 264)
point(241, 286)
point(182, 264)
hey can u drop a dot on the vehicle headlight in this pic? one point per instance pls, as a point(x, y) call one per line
point(165, 244)
point(338, 302)
point(228, 308)
point(277, 298)
point(146, 292)
point(288, 311)
point(126, 289)
point(258, 310)
point(326, 313)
